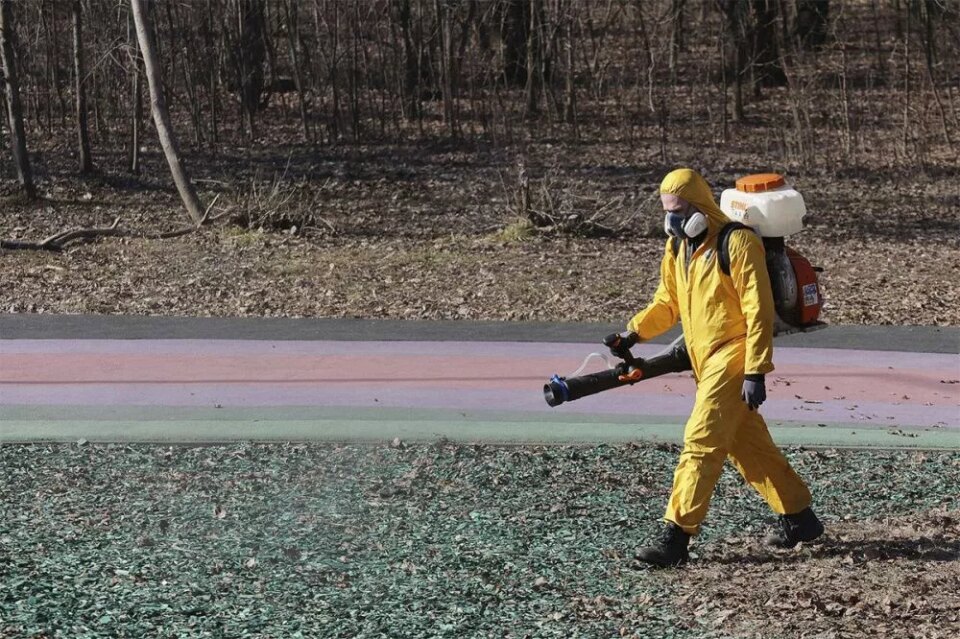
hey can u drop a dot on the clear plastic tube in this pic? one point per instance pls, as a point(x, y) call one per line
point(586, 360)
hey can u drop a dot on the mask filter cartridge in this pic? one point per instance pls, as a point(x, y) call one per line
point(677, 225)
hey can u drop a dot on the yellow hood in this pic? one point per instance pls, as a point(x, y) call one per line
point(691, 186)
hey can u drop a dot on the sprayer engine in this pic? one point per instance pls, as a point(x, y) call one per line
point(775, 211)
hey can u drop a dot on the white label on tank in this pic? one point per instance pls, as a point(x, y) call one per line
point(810, 295)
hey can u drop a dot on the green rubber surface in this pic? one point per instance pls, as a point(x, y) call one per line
point(351, 425)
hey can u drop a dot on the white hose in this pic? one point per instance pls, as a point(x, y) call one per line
point(606, 360)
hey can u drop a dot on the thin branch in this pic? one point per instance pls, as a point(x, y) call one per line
point(59, 241)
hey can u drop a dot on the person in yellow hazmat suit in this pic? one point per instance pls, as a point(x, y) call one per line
point(728, 327)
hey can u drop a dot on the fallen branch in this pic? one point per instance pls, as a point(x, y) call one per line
point(58, 241)
point(62, 239)
point(14, 245)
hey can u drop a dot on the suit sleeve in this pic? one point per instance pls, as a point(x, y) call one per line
point(663, 312)
point(748, 270)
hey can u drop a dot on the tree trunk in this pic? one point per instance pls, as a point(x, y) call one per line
point(930, 55)
point(906, 83)
point(53, 51)
point(410, 100)
point(723, 79)
point(676, 35)
point(83, 137)
point(768, 69)
point(333, 69)
point(515, 33)
point(249, 55)
point(48, 63)
point(735, 18)
point(878, 43)
point(354, 74)
point(446, 63)
point(161, 116)
point(137, 122)
point(293, 31)
point(18, 140)
point(136, 118)
point(210, 49)
point(534, 57)
point(811, 24)
point(570, 107)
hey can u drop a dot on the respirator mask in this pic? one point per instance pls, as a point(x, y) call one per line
point(687, 226)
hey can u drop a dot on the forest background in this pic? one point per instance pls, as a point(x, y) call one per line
point(493, 159)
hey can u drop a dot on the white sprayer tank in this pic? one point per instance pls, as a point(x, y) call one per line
point(765, 203)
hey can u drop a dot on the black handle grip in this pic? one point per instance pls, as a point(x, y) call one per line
point(620, 345)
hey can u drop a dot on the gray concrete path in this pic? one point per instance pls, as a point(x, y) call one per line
point(917, 339)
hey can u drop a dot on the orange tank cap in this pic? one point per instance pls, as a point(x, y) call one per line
point(760, 182)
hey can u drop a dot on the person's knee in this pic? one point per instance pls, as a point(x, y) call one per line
point(707, 433)
point(701, 459)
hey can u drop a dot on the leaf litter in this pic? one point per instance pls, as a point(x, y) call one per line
point(405, 239)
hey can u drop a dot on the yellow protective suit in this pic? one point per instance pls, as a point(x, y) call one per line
point(728, 327)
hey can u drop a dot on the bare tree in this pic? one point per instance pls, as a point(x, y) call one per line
point(534, 58)
point(811, 22)
point(18, 139)
point(677, 27)
point(161, 116)
point(570, 105)
point(86, 162)
point(735, 15)
point(248, 53)
point(515, 34)
point(445, 31)
point(929, 13)
point(48, 21)
point(410, 99)
point(395, 69)
point(136, 117)
point(766, 64)
point(293, 40)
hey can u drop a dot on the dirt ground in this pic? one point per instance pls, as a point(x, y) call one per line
point(892, 577)
point(429, 232)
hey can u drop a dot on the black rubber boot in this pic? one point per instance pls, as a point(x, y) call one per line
point(670, 550)
point(792, 529)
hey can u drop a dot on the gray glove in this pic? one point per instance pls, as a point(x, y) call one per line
point(754, 390)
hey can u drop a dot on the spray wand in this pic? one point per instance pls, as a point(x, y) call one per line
point(674, 359)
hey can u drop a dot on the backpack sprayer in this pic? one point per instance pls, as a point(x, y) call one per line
point(774, 211)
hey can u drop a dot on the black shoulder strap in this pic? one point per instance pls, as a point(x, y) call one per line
point(675, 246)
point(723, 244)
